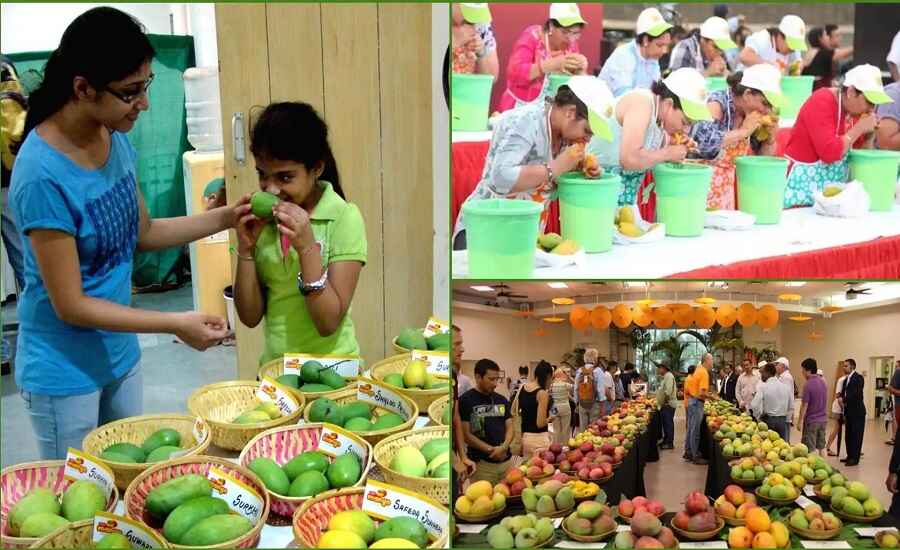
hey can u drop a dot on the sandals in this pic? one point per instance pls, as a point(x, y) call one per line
point(831, 453)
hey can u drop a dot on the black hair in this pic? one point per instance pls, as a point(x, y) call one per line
point(629, 366)
point(659, 88)
point(482, 366)
point(691, 369)
point(542, 374)
point(554, 23)
point(738, 89)
point(830, 28)
point(523, 370)
point(721, 10)
point(102, 45)
point(809, 365)
point(294, 131)
point(851, 362)
point(769, 369)
point(814, 37)
point(650, 38)
point(775, 31)
point(565, 97)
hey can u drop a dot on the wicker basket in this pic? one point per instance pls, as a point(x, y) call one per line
point(775, 501)
point(811, 534)
point(399, 349)
point(73, 535)
point(397, 364)
point(438, 489)
point(136, 495)
point(218, 404)
point(586, 538)
point(275, 368)
point(485, 518)
point(283, 444)
point(698, 535)
point(16, 481)
point(436, 410)
point(733, 522)
point(374, 436)
point(135, 430)
point(311, 519)
point(854, 519)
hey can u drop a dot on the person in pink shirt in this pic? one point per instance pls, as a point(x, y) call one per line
point(540, 51)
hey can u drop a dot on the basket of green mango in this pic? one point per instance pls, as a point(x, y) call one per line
point(440, 412)
point(129, 446)
point(414, 338)
point(292, 467)
point(418, 460)
point(314, 380)
point(372, 424)
point(234, 413)
point(79, 534)
point(411, 379)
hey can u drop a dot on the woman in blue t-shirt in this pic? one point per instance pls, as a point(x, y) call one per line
point(80, 212)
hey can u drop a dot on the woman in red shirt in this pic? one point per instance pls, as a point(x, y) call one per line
point(831, 122)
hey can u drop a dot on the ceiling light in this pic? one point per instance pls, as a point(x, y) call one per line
point(553, 319)
point(557, 285)
point(830, 309)
point(482, 288)
point(800, 318)
point(563, 301)
point(790, 297)
point(795, 283)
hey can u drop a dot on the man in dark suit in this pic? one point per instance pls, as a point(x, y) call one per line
point(729, 385)
point(854, 413)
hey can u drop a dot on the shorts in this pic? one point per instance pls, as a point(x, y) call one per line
point(814, 435)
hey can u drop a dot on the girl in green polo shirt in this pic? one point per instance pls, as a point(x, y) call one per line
point(300, 269)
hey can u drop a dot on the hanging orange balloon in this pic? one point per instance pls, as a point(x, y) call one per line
point(600, 317)
point(684, 317)
point(579, 315)
point(621, 316)
point(663, 317)
point(726, 315)
point(746, 315)
point(640, 316)
point(705, 317)
point(582, 323)
point(767, 316)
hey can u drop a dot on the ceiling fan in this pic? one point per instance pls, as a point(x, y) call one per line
point(504, 295)
point(852, 291)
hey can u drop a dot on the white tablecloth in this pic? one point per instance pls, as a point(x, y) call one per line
point(800, 230)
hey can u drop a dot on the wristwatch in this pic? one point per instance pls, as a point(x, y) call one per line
point(307, 289)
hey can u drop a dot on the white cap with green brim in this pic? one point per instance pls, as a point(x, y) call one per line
point(794, 30)
point(651, 22)
point(566, 14)
point(716, 29)
point(689, 85)
point(867, 79)
point(600, 102)
point(475, 13)
point(767, 79)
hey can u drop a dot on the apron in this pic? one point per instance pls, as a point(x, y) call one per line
point(807, 178)
point(545, 87)
point(632, 179)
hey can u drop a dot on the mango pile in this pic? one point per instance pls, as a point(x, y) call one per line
point(314, 377)
point(415, 376)
point(627, 225)
point(525, 531)
point(590, 519)
point(158, 447)
point(554, 244)
point(855, 499)
point(41, 511)
point(261, 412)
point(356, 529)
point(356, 416)
point(646, 532)
point(548, 498)
point(414, 338)
point(308, 473)
point(481, 499)
point(812, 518)
point(191, 516)
point(432, 460)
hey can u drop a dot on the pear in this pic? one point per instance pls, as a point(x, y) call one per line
point(414, 376)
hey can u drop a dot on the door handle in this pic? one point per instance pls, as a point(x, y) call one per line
point(237, 138)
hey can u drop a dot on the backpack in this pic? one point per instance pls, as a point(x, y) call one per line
point(13, 108)
point(586, 389)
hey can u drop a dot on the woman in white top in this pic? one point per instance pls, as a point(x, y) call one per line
point(560, 393)
point(837, 408)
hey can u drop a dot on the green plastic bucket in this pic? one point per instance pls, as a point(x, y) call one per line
point(470, 101)
point(796, 90)
point(761, 182)
point(877, 170)
point(501, 235)
point(557, 80)
point(681, 190)
point(587, 209)
point(714, 83)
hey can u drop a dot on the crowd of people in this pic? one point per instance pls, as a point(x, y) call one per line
point(634, 115)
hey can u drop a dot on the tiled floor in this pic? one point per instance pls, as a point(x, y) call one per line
point(171, 372)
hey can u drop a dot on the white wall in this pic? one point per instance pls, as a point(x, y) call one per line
point(440, 120)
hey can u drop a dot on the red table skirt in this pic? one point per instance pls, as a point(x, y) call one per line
point(876, 259)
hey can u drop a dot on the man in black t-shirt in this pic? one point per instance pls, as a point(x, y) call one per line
point(822, 58)
point(487, 424)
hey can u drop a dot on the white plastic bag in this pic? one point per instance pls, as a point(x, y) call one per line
point(548, 259)
point(851, 202)
point(729, 220)
point(653, 232)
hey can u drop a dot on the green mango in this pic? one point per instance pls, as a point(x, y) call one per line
point(311, 371)
point(42, 524)
point(412, 338)
point(271, 474)
point(387, 420)
point(358, 425)
point(82, 500)
point(262, 203)
point(445, 418)
point(309, 483)
point(357, 409)
point(434, 448)
point(344, 471)
point(136, 453)
point(315, 388)
point(36, 501)
point(271, 409)
point(394, 379)
point(442, 471)
point(163, 499)
point(216, 530)
point(112, 456)
point(190, 513)
point(289, 380)
point(320, 408)
point(162, 453)
point(439, 342)
point(252, 417)
point(160, 438)
point(113, 540)
point(305, 462)
point(332, 379)
point(403, 527)
point(336, 416)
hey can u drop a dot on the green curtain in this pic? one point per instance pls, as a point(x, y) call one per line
point(160, 137)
